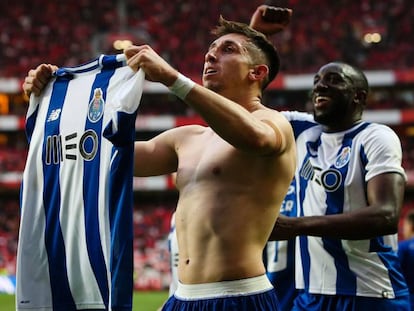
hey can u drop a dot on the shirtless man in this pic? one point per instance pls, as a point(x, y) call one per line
point(232, 176)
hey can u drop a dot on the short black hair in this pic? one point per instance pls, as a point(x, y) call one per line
point(270, 52)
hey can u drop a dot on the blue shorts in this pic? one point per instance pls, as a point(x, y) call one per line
point(315, 302)
point(255, 293)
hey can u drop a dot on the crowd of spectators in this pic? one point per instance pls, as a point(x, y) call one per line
point(9, 229)
point(151, 254)
point(72, 32)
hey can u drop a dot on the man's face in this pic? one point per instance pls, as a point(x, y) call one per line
point(227, 63)
point(333, 94)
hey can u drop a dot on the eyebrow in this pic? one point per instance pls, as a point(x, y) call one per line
point(227, 42)
point(341, 74)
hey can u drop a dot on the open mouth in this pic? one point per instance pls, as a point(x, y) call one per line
point(210, 71)
point(320, 100)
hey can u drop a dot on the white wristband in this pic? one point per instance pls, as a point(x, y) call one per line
point(182, 86)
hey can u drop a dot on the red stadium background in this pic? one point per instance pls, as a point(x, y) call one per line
point(374, 35)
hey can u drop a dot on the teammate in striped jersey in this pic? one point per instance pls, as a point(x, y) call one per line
point(350, 187)
point(174, 255)
point(336, 278)
point(75, 239)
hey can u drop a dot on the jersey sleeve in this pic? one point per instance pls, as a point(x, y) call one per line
point(382, 151)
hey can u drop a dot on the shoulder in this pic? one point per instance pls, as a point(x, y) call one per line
point(192, 129)
point(276, 118)
point(183, 132)
point(378, 130)
point(380, 135)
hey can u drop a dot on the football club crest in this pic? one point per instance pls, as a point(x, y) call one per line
point(96, 106)
point(343, 157)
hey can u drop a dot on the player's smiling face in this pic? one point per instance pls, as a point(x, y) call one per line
point(333, 94)
point(227, 63)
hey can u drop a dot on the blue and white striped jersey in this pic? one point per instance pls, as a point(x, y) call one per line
point(279, 257)
point(332, 172)
point(173, 248)
point(75, 241)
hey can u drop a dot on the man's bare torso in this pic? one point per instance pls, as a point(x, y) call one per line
point(229, 201)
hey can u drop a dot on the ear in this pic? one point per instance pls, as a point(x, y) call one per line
point(259, 72)
point(360, 97)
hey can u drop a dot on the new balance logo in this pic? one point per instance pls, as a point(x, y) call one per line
point(54, 115)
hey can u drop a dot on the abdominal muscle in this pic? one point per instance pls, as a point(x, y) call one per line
point(221, 235)
point(228, 203)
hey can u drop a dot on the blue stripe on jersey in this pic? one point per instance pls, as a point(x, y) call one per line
point(70, 71)
point(335, 204)
point(112, 61)
point(30, 124)
point(279, 256)
point(121, 226)
point(90, 184)
point(393, 264)
point(303, 241)
point(107, 61)
point(364, 159)
point(344, 278)
point(123, 136)
point(300, 126)
point(51, 157)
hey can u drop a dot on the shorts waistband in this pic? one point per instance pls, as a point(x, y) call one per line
point(243, 287)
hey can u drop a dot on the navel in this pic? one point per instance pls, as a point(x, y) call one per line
point(216, 170)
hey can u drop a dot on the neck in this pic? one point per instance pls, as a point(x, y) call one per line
point(339, 127)
point(254, 104)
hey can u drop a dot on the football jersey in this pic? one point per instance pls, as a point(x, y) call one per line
point(331, 176)
point(75, 241)
point(279, 257)
point(173, 248)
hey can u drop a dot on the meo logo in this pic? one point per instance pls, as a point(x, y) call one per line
point(87, 147)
